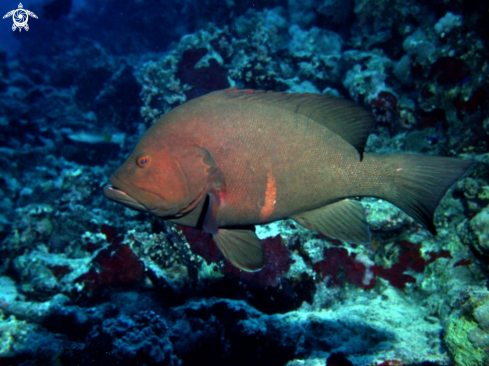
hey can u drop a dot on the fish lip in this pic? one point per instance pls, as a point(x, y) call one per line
point(116, 191)
point(118, 195)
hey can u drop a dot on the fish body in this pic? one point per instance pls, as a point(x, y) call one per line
point(236, 158)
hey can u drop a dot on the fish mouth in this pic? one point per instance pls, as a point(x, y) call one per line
point(119, 196)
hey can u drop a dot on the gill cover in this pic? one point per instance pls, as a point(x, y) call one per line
point(168, 182)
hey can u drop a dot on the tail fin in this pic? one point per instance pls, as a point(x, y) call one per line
point(421, 181)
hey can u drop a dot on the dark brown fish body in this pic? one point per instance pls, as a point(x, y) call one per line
point(260, 157)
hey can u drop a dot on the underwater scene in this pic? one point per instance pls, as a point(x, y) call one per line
point(280, 182)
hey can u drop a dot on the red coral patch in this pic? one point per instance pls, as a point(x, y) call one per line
point(60, 271)
point(409, 258)
point(448, 71)
point(339, 266)
point(110, 232)
point(462, 262)
point(115, 265)
point(202, 244)
point(441, 254)
point(470, 105)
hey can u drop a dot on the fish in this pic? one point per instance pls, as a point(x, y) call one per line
point(93, 137)
point(232, 159)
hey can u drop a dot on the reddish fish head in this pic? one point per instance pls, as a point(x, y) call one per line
point(151, 180)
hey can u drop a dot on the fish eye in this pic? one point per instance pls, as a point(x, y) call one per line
point(143, 161)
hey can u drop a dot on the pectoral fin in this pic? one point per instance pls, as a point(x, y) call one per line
point(210, 224)
point(343, 220)
point(241, 247)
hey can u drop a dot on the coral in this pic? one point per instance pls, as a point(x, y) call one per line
point(190, 70)
point(384, 106)
point(112, 266)
point(264, 28)
point(259, 36)
point(36, 312)
point(441, 254)
point(402, 69)
point(467, 329)
point(377, 16)
point(462, 262)
point(470, 187)
point(409, 259)
point(202, 244)
point(448, 71)
point(169, 259)
point(142, 338)
point(384, 216)
point(20, 340)
point(70, 255)
point(227, 325)
point(203, 79)
point(479, 225)
point(366, 76)
point(8, 291)
point(49, 273)
point(33, 223)
point(158, 249)
point(447, 23)
point(338, 265)
point(302, 13)
point(314, 41)
point(467, 105)
point(419, 46)
point(328, 331)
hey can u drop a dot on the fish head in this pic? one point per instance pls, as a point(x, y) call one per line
point(151, 180)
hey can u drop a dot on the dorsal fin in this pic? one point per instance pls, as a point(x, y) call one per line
point(345, 118)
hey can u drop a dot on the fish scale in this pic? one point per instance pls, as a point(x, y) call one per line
point(292, 146)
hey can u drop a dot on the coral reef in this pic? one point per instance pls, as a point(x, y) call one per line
point(85, 281)
point(467, 328)
point(142, 338)
point(479, 225)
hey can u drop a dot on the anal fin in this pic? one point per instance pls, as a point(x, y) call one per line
point(241, 247)
point(343, 220)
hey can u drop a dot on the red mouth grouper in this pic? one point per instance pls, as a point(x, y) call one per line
point(236, 158)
